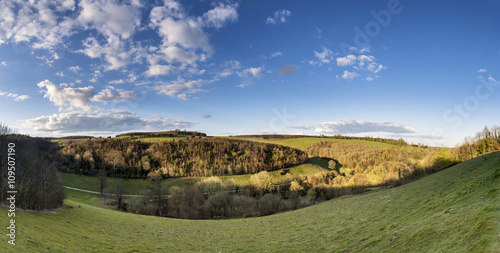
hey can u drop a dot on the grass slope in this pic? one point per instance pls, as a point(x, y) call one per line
point(455, 210)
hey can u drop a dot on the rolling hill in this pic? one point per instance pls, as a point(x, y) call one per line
point(455, 210)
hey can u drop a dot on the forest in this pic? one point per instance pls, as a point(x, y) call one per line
point(173, 133)
point(28, 167)
point(186, 157)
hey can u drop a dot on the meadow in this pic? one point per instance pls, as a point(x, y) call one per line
point(455, 210)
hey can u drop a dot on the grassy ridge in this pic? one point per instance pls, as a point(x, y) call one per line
point(304, 143)
point(455, 210)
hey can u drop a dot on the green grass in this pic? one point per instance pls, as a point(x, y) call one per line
point(132, 186)
point(455, 210)
point(304, 143)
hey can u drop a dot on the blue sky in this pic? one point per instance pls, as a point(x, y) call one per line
point(420, 70)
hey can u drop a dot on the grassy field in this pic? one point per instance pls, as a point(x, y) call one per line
point(304, 143)
point(455, 210)
point(134, 186)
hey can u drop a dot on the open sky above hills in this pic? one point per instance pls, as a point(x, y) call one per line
point(420, 70)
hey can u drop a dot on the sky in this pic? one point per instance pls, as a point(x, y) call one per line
point(424, 71)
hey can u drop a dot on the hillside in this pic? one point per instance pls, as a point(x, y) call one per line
point(455, 210)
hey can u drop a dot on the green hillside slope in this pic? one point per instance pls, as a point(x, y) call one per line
point(455, 210)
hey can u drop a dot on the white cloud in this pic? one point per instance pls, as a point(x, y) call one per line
point(364, 50)
point(363, 59)
point(229, 68)
point(369, 79)
point(119, 81)
point(155, 70)
point(110, 18)
point(346, 61)
point(280, 16)
point(187, 33)
point(38, 22)
point(75, 68)
point(324, 57)
point(375, 67)
point(349, 75)
point(276, 54)
point(67, 96)
point(16, 97)
point(180, 88)
point(482, 70)
point(3, 63)
point(255, 72)
point(113, 51)
point(350, 126)
point(60, 73)
point(220, 15)
point(247, 76)
point(112, 121)
point(113, 95)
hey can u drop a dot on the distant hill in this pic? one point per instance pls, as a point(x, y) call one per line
point(74, 137)
point(399, 142)
point(171, 133)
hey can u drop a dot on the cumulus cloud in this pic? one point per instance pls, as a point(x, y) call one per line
point(67, 96)
point(14, 96)
point(346, 61)
point(248, 75)
point(482, 70)
point(81, 98)
point(356, 127)
point(184, 41)
point(155, 70)
point(75, 68)
point(280, 17)
point(349, 75)
point(255, 72)
point(325, 56)
point(375, 67)
point(37, 22)
point(288, 69)
point(112, 121)
point(358, 62)
point(3, 63)
point(220, 15)
point(180, 88)
point(110, 18)
point(113, 95)
point(204, 116)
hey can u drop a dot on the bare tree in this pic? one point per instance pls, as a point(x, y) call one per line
point(157, 191)
point(102, 178)
point(119, 189)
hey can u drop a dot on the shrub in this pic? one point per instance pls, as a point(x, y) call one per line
point(269, 204)
point(261, 181)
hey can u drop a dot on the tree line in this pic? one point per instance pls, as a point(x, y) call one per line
point(483, 142)
point(187, 157)
point(398, 142)
point(33, 171)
